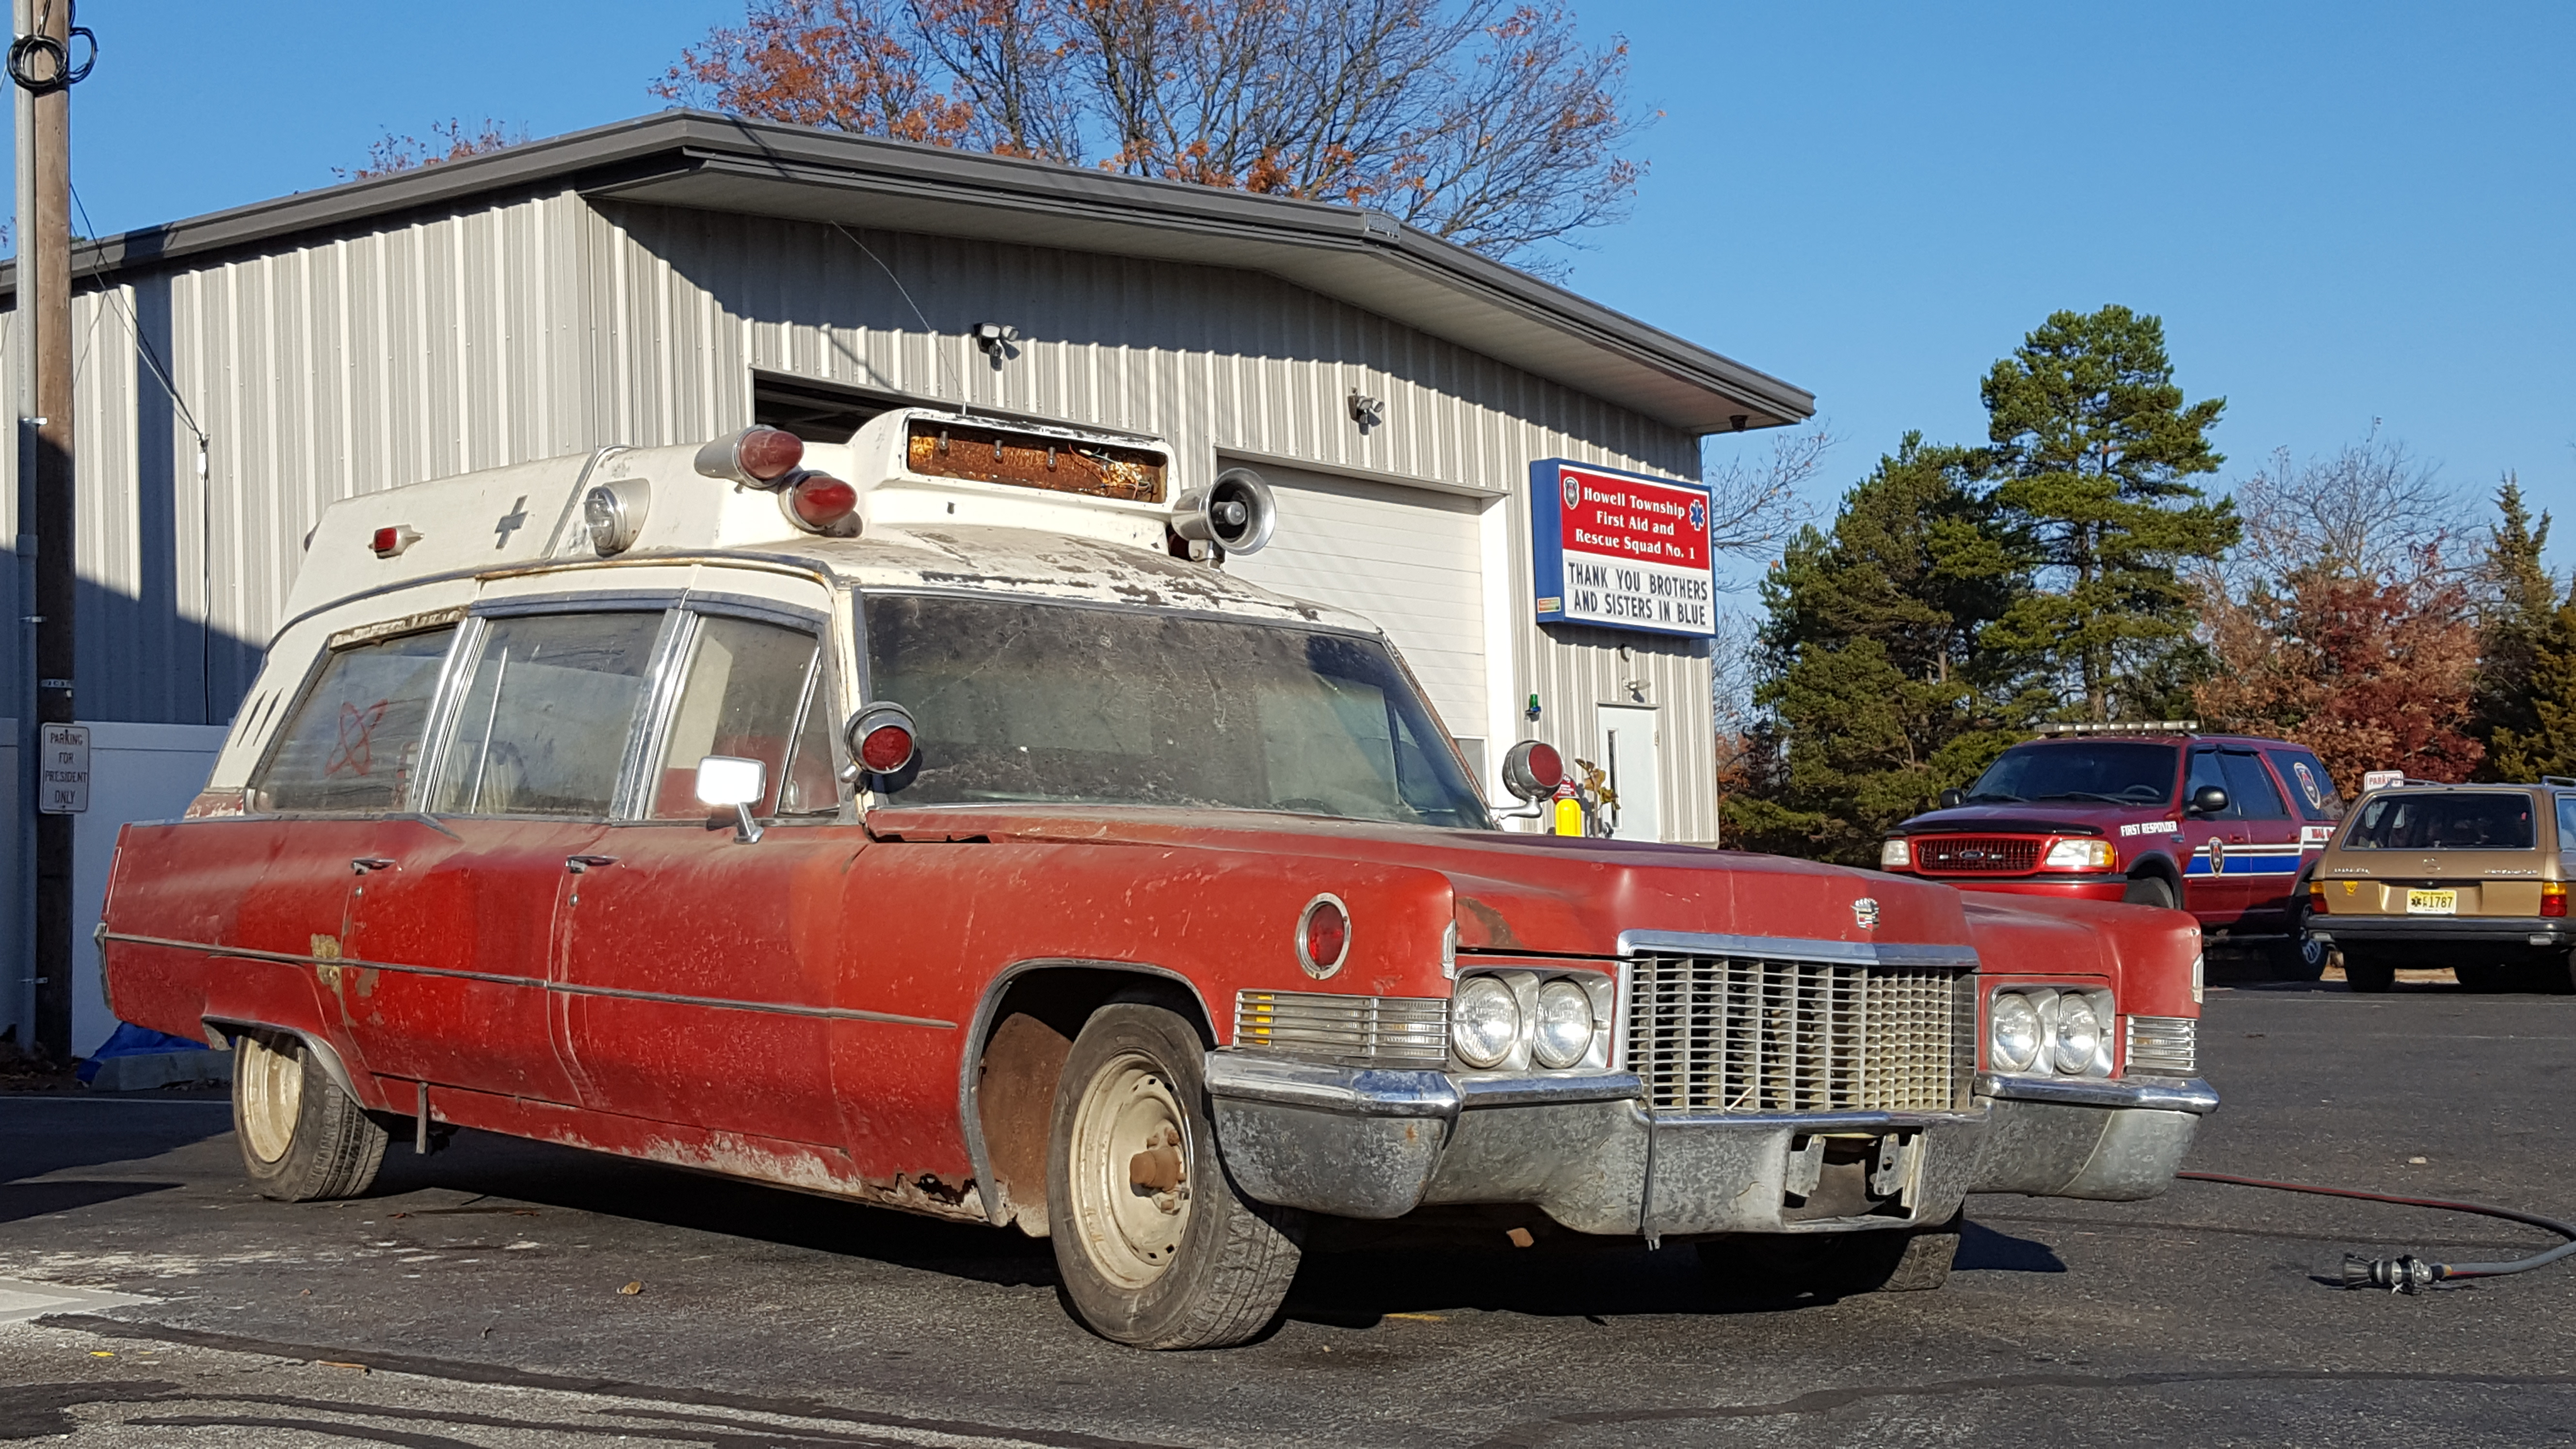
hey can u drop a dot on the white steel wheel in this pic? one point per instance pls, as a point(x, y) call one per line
point(1131, 1156)
point(301, 1137)
point(1153, 1244)
point(268, 1095)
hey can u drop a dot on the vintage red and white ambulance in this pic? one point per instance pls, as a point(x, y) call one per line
point(932, 821)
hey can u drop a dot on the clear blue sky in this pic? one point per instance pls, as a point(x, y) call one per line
point(2342, 212)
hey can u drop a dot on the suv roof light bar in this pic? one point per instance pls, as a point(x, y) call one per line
point(2135, 727)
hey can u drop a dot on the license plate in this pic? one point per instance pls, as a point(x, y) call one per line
point(2432, 903)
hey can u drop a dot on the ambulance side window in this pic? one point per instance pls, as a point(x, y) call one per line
point(353, 741)
point(744, 685)
point(545, 714)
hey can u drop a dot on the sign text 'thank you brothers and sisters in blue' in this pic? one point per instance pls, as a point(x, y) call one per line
point(1620, 550)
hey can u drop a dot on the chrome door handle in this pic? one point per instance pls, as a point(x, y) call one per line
point(366, 863)
point(579, 863)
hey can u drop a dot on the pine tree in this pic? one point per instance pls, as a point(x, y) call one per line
point(2091, 447)
point(2519, 598)
point(1879, 693)
point(2549, 746)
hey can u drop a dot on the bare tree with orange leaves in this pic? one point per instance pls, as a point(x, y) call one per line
point(1489, 124)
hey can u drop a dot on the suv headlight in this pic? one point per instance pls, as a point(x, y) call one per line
point(1895, 853)
point(1484, 1021)
point(2015, 1040)
point(2079, 855)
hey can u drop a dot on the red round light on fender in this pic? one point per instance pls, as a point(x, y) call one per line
point(768, 454)
point(1323, 936)
point(821, 503)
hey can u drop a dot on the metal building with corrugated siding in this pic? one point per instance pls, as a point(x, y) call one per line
point(668, 279)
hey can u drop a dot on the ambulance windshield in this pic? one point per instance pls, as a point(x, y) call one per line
point(1017, 700)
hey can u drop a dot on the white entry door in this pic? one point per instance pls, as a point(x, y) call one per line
point(1630, 761)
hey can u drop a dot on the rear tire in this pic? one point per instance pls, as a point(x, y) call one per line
point(301, 1137)
point(2150, 890)
point(2363, 971)
point(1155, 1246)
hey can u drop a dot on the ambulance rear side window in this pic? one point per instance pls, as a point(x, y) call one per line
point(353, 741)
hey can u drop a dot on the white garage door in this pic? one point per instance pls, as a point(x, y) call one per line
point(1407, 558)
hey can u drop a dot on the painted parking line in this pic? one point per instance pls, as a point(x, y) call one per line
point(21, 1300)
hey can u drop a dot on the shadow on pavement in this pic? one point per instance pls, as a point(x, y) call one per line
point(46, 1134)
point(20, 1200)
point(1983, 1249)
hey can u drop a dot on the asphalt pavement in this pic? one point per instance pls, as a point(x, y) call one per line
point(503, 1294)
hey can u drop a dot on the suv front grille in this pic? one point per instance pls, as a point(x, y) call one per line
point(1739, 1034)
point(1360, 1031)
point(1976, 854)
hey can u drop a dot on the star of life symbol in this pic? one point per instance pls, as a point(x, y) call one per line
point(1699, 516)
point(1865, 912)
point(1573, 491)
point(355, 753)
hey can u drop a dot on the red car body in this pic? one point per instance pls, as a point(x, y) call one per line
point(877, 994)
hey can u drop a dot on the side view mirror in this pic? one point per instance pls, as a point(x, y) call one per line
point(1953, 798)
point(1532, 770)
point(880, 737)
point(2208, 800)
point(730, 780)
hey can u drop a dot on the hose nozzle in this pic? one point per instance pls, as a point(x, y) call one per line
point(2408, 1274)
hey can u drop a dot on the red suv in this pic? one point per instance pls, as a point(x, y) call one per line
point(2224, 826)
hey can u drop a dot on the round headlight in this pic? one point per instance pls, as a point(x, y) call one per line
point(1564, 1025)
point(2015, 1041)
point(2079, 1035)
point(1484, 1021)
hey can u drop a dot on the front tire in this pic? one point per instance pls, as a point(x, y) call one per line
point(2150, 890)
point(301, 1137)
point(1153, 1243)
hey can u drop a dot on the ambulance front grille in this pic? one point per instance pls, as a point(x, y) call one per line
point(1742, 1034)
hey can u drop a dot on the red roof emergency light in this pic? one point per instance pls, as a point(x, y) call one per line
point(388, 542)
point(756, 457)
point(821, 503)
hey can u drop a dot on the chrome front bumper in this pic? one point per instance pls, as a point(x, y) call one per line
point(1367, 1143)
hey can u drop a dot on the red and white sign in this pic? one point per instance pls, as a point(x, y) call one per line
point(1630, 552)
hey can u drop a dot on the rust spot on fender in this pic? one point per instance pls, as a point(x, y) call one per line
point(1491, 928)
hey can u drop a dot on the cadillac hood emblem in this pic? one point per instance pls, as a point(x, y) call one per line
point(1865, 911)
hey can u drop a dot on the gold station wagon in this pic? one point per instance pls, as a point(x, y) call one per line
point(2473, 877)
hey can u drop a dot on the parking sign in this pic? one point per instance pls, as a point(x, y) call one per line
point(64, 790)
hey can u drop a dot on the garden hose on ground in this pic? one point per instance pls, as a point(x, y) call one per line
point(2408, 1273)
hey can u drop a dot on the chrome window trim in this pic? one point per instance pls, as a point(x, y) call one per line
point(452, 693)
point(800, 567)
point(571, 601)
point(1783, 948)
point(313, 671)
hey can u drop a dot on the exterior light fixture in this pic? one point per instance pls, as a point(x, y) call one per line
point(1367, 411)
point(995, 338)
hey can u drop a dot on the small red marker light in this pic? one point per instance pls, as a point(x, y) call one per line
point(886, 749)
point(821, 503)
point(388, 542)
point(1323, 936)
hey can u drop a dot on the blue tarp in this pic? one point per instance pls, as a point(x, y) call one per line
point(130, 1040)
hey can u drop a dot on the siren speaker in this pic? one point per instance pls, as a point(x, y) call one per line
point(1235, 512)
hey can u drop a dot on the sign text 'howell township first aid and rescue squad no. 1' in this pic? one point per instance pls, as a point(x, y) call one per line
point(1621, 550)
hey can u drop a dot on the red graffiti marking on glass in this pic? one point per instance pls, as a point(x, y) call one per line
point(356, 752)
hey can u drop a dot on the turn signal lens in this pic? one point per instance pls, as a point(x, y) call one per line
point(821, 503)
point(2317, 899)
point(1484, 1021)
point(2079, 855)
point(2014, 1044)
point(2553, 898)
point(1895, 855)
point(1564, 1032)
point(886, 749)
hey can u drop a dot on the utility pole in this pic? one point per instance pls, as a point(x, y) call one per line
point(41, 80)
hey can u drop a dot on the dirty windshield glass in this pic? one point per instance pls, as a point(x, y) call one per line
point(1019, 701)
point(2484, 821)
point(2126, 772)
